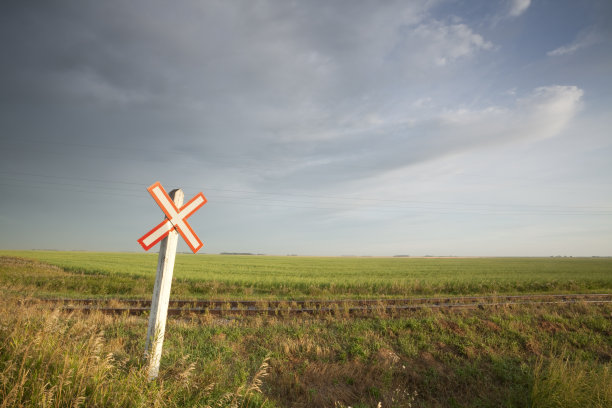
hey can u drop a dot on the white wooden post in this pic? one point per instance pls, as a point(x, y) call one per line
point(161, 294)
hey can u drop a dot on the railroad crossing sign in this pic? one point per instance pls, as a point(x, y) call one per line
point(176, 219)
point(166, 232)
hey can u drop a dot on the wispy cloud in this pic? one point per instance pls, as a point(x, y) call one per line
point(441, 43)
point(388, 145)
point(518, 7)
point(584, 39)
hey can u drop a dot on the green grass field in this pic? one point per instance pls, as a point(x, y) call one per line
point(519, 356)
point(318, 277)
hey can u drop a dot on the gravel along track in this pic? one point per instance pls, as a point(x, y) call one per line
point(315, 307)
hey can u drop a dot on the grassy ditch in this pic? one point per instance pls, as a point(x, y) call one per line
point(549, 356)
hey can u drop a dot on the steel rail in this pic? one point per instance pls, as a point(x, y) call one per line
point(219, 303)
point(335, 309)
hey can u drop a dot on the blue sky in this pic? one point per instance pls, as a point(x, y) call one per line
point(312, 127)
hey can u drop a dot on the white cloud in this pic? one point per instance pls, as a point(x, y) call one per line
point(434, 43)
point(544, 113)
point(583, 40)
point(518, 7)
point(548, 110)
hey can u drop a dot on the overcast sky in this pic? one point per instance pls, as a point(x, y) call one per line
point(312, 127)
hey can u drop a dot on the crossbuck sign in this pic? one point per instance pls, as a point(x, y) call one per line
point(166, 232)
point(176, 219)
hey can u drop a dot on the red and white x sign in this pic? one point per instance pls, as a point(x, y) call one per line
point(175, 219)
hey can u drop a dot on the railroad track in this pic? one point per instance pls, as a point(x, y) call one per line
point(312, 307)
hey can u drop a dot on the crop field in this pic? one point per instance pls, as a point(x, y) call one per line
point(231, 276)
point(547, 355)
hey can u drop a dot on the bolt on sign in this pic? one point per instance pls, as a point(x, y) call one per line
point(167, 233)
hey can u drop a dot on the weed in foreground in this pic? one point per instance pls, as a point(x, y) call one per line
point(562, 382)
point(245, 396)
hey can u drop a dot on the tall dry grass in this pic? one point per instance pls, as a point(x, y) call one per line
point(49, 359)
point(561, 382)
